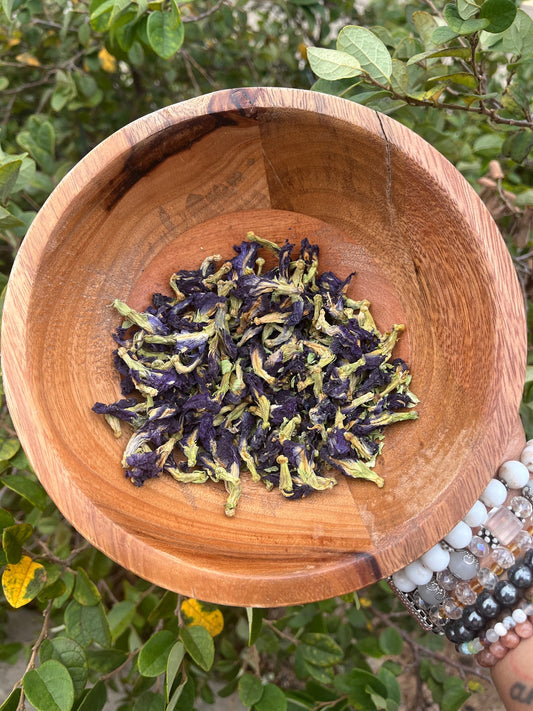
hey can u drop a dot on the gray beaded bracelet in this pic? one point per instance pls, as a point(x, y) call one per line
point(480, 574)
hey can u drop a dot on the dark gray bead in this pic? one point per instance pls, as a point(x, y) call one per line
point(506, 593)
point(520, 575)
point(528, 558)
point(457, 632)
point(472, 620)
point(487, 605)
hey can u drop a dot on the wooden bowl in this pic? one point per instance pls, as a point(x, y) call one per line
point(189, 181)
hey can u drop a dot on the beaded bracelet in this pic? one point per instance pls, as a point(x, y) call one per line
point(475, 586)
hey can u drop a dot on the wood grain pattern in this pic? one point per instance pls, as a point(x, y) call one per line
point(190, 180)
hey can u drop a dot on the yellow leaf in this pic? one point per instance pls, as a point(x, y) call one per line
point(198, 613)
point(107, 61)
point(13, 41)
point(28, 59)
point(475, 686)
point(23, 581)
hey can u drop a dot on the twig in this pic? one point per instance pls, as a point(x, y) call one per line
point(481, 109)
point(203, 15)
point(125, 663)
point(284, 635)
point(34, 650)
point(420, 649)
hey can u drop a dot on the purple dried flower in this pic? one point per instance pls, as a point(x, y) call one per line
point(278, 373)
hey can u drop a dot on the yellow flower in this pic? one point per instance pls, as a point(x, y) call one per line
point(107, 61)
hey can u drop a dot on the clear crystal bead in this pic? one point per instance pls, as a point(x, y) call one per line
point(446, 580)
point(502, 557)
point(451, 609)
point(487, 578)
point(521, 506)
point(524, 540)
point(478, 547)
point(464, 593)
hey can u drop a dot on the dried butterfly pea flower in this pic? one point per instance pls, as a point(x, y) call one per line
point(277, 373)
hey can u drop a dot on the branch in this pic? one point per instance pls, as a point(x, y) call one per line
point(419, 649)
point(482, 109)
point(202, 15)
point(34, 650)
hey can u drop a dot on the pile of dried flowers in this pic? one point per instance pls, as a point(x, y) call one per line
point(278, 372)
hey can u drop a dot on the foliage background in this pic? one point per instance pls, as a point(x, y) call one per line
point(73, 72)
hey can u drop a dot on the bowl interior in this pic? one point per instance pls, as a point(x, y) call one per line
point(191, 181)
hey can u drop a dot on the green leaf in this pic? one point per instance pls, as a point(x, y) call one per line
point(13, 538)
point(6, 519)
point(452, 17)
point(120, 617)
point(164, 35)
point(518, 38)
point(52, 591)
point(49, 687)
point(8, 220)
point(9, 170)
point(357, 685)
point(85, 591)
point(517, 146)
point(272, 699)
point(39, 141)
point(153, 657)
point(500, 15)
point(105, 660)
point(460, 26)
point(444, 34)
point(400, 77)
point(324, 675)
point(96, 699)
point(149, 701)
point(100, 14)
point(118, 8)
point(462, 52)
point(71, 655)
point(174, 661)
point(320, 649)
point(390, 641)
point(7, 7)
point(332, 64)
point(467, 9)
point(394, 692)
point(462, 78)
point(454, 694)
point(68, 580)
point(182, 689)
point(166, 607)
point(425, 26)
point(250, 689)
point(12, 701)
point(199, 645)
point(87, 624)
point(369, 50)
point(30, 490)
point(255, 623)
